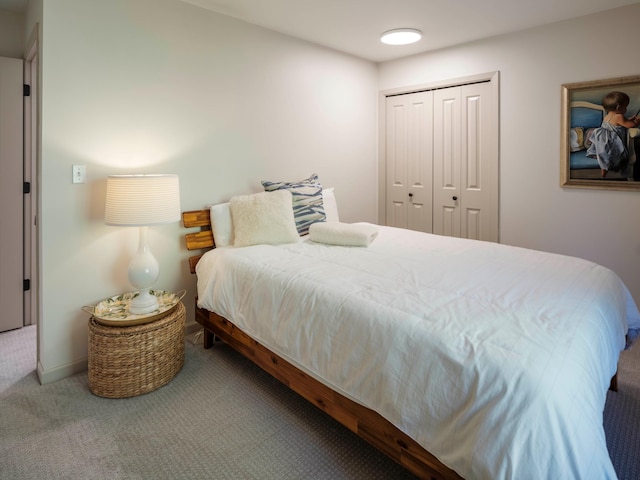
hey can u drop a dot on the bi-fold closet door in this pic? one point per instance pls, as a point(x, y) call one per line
point(442, 163)
point(409, 161)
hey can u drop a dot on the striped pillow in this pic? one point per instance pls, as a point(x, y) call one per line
point(307, 200)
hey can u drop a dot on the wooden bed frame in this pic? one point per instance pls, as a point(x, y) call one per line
point(368, 424)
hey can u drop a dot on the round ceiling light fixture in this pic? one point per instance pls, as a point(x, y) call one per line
point(401, 36)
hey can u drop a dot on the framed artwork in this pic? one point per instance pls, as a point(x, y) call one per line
point(594, 155)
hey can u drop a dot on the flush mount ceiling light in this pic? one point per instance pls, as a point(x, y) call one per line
point(401, 36)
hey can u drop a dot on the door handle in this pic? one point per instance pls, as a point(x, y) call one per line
point(455, 198)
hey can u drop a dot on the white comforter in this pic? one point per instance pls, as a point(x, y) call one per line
point(496, 359)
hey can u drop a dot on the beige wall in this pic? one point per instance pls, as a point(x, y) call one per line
point(535, 212)
point(162, 86)
point(11, 34)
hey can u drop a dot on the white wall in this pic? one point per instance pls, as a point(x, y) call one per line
point(11, 34)
point(161, 86)
point(535, 212)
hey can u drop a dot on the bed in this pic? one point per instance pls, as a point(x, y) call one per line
point(584, 118)
point(456, 358)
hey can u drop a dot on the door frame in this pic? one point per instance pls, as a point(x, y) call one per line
point(31, 175)
point(492, 77)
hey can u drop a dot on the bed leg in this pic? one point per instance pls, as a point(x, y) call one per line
point(613, 386)
point(208, 339)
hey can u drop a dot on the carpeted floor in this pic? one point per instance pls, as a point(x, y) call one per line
point(622, 416)
point(252, 426)
point(220, 418)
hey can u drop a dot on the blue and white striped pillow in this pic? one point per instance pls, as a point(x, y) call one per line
point(307, 200)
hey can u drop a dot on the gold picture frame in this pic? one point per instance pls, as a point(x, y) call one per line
point(582, 112)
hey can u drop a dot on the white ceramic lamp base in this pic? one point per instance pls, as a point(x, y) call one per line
point(143, 303)
point(143, 273)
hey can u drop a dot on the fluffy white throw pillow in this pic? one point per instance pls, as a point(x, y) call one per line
point(265, 217)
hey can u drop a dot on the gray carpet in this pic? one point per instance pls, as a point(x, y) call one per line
point(252, 428)
point(220, 418)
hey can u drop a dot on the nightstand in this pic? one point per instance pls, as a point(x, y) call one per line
point(133, 360)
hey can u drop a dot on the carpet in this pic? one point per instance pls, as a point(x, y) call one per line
point(220, 418)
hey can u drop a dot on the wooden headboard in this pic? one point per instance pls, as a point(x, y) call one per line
point(202, 240)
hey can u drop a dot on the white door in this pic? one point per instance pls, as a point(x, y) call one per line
point(446, 166)
point(409, 157)
point(479, 168)
point(465, 199)
point(11, 194)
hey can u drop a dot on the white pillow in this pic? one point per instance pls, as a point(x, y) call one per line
point(265, 217)
point(221, 224)
point(330, 205)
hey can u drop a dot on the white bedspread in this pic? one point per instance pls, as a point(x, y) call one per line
point(496, 359)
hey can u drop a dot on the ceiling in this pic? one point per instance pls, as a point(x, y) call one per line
point(354, 26)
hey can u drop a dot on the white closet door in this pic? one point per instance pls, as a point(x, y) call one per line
point(11, 196)
point(409, 159)
point(465, 171)
point(479, 172)
point(446, 161)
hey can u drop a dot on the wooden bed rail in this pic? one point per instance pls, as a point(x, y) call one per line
point(365, 423)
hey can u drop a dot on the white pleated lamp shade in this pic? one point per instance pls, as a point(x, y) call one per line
point(142, 200)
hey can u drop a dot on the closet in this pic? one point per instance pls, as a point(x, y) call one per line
point(441, 160)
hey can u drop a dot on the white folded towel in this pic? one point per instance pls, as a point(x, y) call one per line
point(346, 234)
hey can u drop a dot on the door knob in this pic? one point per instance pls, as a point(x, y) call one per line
point(410, 194)
point(455, 198)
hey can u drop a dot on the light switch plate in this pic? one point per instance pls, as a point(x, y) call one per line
point(79, 173)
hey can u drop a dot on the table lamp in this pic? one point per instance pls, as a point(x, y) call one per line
point(142, 201)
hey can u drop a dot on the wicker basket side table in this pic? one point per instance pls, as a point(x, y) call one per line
point(130, 361)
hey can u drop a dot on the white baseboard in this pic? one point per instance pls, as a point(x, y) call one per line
point(63, 371)
point(191, 327)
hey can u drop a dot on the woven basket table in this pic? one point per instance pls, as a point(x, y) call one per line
point(130, 361)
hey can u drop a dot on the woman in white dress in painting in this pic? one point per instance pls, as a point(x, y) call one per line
point(609, 141)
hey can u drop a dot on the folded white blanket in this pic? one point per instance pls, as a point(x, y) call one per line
point(347, 234)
